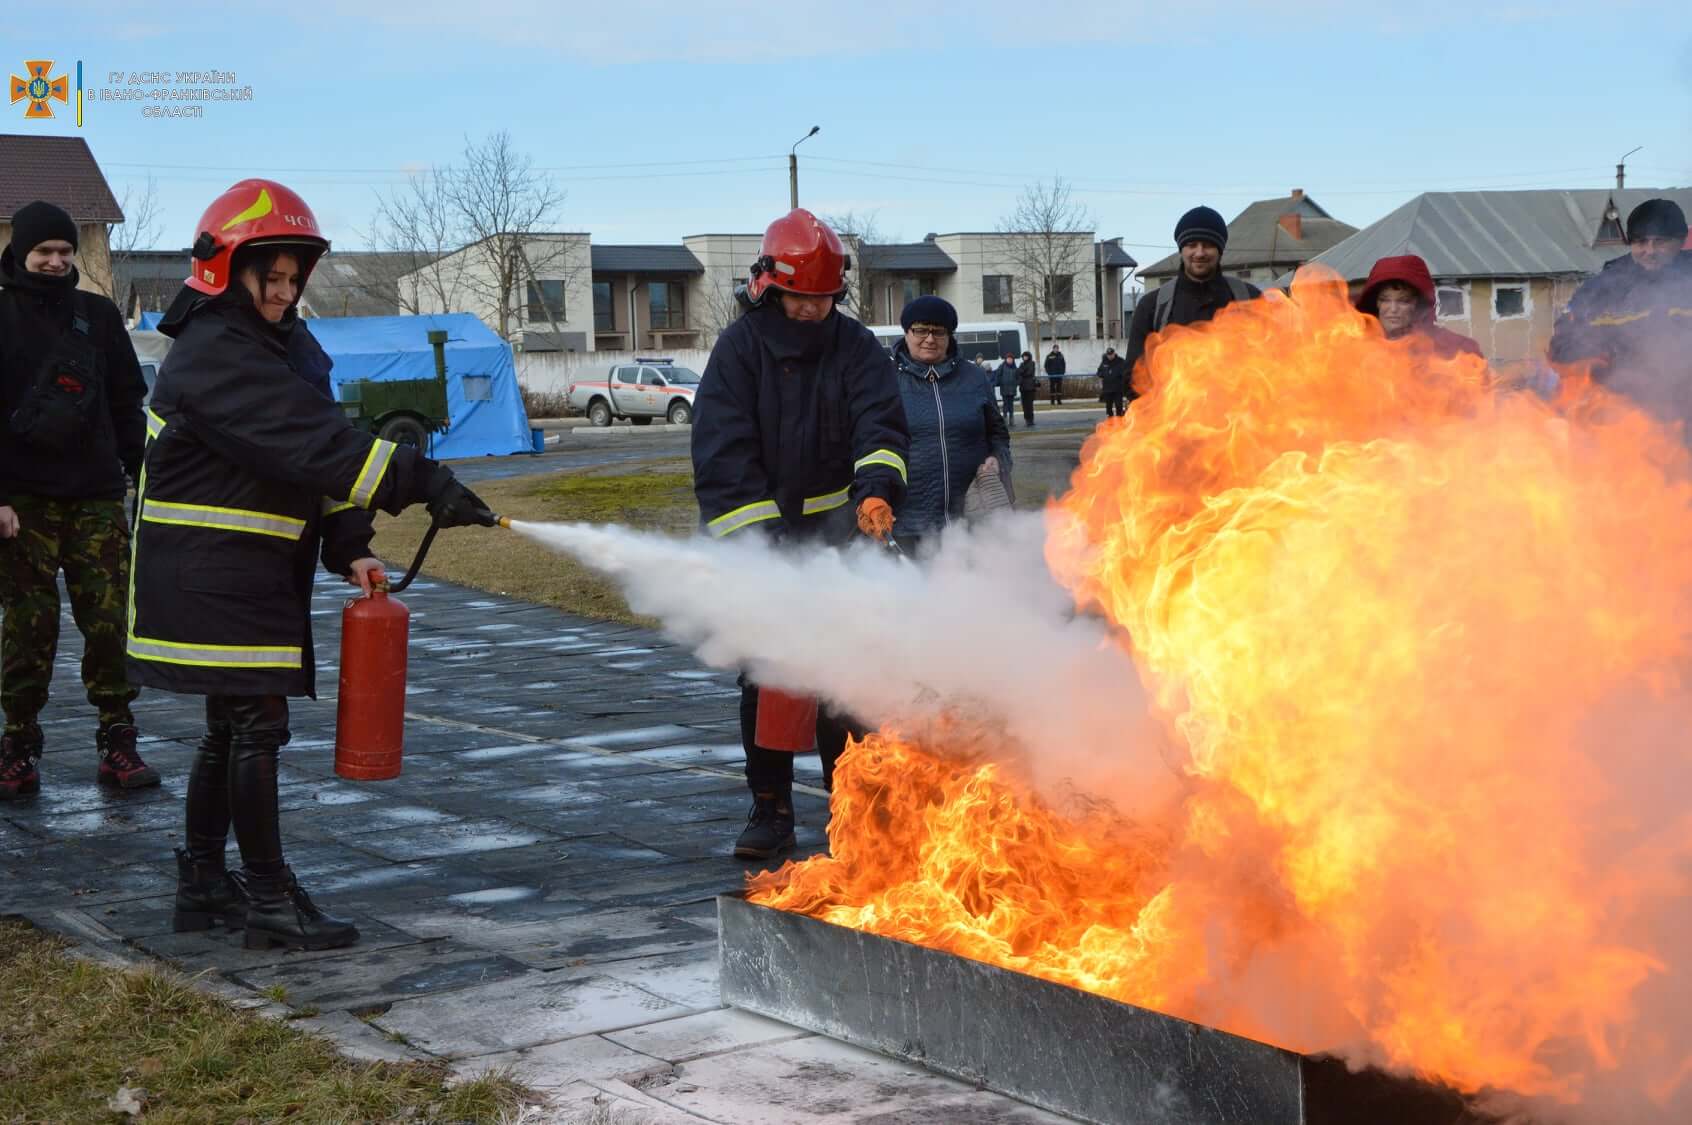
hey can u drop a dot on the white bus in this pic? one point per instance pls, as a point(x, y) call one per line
point(990, 339)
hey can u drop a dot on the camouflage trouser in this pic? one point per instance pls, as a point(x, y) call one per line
point(89, 541)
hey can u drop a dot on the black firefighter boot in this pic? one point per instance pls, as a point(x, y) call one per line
point(206, 894)
point(120, 763)
point(280, 913)
point(769, 829)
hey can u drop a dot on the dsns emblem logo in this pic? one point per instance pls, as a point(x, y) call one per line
point(39, 88)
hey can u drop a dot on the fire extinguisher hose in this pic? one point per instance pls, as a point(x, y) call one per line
point(423, 553)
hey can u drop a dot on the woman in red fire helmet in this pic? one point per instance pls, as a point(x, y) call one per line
point(799, 425)
point(251, 473)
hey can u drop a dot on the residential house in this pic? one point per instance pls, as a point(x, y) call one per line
point(641, 298)
point(359, 283)
point(661, 297)
point(147, 281)
point(1505, 263)
point(1267, 239)
point(549, 306)
point(62, 171)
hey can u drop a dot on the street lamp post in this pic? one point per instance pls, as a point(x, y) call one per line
point(793, 167)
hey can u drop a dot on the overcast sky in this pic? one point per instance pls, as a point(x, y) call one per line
point(663, 119)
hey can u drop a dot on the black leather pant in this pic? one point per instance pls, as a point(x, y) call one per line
point(233, 779)
point(771, 771)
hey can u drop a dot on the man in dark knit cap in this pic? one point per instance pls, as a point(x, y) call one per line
point(1197, 292)
point(1631, 325)
point(70, 408)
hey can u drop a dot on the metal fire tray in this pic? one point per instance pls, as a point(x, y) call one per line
point(1053, 1046)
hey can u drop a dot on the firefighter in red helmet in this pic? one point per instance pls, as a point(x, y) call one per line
point(251, 474)
point(799, 433)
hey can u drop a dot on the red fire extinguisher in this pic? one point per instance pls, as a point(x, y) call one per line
point(370, 709)
point(786, 721)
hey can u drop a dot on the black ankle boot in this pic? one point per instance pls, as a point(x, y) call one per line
point(206, 895)
point(769, 829)
point(280, 913)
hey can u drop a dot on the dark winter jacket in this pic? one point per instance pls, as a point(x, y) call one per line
point(955, 426)
point(1193, 303)
point(1411, 270)
point(1113, 374)
point(248, 466)
point(36, 319)
point(1635, 325)
point(1055, 364)
point(794, 425)
point(1006, 375)
point(1025, 377)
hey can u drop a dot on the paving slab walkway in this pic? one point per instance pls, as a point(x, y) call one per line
point(536, 890)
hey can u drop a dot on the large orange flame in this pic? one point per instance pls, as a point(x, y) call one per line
point(1422, 646)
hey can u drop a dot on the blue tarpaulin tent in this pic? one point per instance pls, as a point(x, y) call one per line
point(149, 322)
point(483, 399)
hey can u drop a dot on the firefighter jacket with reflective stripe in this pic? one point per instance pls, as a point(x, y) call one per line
point(1635, 327)
point(794, 424)
point(248, 467)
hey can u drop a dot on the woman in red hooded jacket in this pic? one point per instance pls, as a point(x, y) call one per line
point(1400, 294)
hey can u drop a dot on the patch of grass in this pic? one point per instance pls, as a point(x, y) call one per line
point(653, 495)
point(73, 1033)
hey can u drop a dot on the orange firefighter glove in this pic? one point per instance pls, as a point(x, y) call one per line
point(875, 518)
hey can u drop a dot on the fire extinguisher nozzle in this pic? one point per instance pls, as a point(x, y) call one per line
point(504, 521)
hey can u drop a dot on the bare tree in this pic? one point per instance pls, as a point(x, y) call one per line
point(1048, 240)
point(479, 234)
point(503, 204)
point(138, 231)
point(418, 230)
point(718, 308)
point(864, 241)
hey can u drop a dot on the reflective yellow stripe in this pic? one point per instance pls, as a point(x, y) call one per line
point(884, 457)
point(815, 504)
point(155, 424)
point(1680, 312)
point(370, 476)
point(731, 522)
point(222, 519)
point(1610, 320)
point(214, 656)
point(331, 507)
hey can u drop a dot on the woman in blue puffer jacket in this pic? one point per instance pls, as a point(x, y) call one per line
point(957, 432)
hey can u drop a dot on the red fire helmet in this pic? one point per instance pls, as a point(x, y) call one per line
point(800, 255)
point(252, 211)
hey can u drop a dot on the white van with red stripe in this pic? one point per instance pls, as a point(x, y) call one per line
point(639, 391)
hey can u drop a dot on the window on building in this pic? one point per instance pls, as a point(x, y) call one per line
point(477, 388)
point(1509, 302)
point(1060, 292)
point(914, 287)
point(996, 293)
point(546, 301)
point(603, 321)
point(1452, 302)
point(666, 302)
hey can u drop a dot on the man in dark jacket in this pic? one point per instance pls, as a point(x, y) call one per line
point(956, 430)
point(1197, 292)
point(1055, 369)
point(1113, 377)
point(1007, 379)
point(70, 403)
point(798, 427)
point(1632, 324)
point(1026, 383)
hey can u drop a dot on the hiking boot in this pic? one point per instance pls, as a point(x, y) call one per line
point(120, 764)
point(280, 913)
point(769, 829)
point(18, 755)
point(206, 894)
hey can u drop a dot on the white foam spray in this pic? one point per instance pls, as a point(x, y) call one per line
point(979, 632)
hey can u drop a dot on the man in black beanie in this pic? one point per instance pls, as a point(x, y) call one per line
point(1631, 325)
point(73, 428)
point(1196, 293)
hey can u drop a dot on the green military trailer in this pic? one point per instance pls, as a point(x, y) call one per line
point(403, 411)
